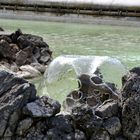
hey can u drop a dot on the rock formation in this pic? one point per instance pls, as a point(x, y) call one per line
point(1, 29)
point(25, 116)
point(24, 54)
point(101, 116)
point(22, 113)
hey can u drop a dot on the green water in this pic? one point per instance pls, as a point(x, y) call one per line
point(80, 39)
point(63, 38)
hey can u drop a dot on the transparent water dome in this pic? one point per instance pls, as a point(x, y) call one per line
point(60, 77)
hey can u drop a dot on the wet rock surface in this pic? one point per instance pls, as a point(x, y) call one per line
point(14, 94)
point(112, 125)
point(24, 50)
point(103, 111)
point(25, 116)
point(42, 107)
point(131, 104)
point(108, 109)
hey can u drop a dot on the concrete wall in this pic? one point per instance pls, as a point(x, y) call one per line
point(100, 4)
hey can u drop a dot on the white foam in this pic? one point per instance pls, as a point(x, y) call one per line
point(84, 64)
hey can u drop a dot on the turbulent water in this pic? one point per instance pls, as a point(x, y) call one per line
point(63, 70)
point(84, 65)
point(122, 43)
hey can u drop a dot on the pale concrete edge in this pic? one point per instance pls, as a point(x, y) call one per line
point(71, 18)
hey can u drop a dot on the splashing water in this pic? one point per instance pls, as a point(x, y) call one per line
point(83, 64)
point(60, 77)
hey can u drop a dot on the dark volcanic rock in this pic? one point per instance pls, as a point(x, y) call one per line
point(100, 135)
point(14, 94)
point(131, 86)
point(108, 109)
point(60, 128)
point(6, 38)
point(135, 70)
point(86, 120)
point(14, 36)
point(36, 53)
point(38, 131)
point(79, 135)
point(21, 58)
point(112, 125)
point(24, 116)
point(120, 138)
point(11, 127)
point(42, 107)
point(24, 126)
point(131, 104)
point(45, 57)
point(6, 51)
point(24, 49)
point(131, 118)
point(26, 40)
point(36, 47)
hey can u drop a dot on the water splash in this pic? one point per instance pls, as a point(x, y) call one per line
point(83, 64)
point(60, 77)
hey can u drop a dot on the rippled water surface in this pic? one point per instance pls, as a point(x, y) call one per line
point(80, 39)
point(63, 38)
